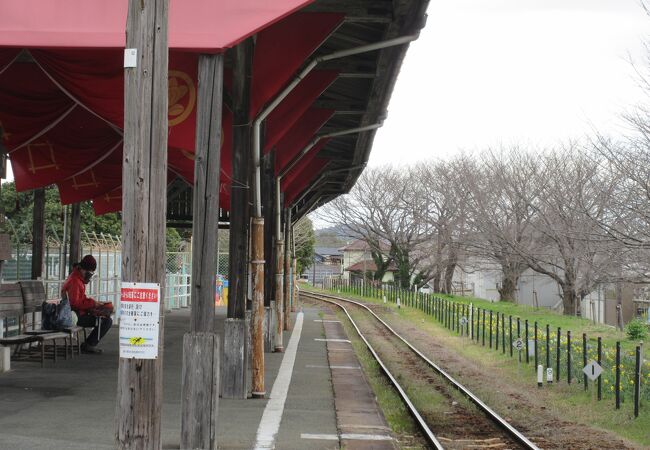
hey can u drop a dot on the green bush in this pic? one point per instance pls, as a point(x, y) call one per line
point(636, 330)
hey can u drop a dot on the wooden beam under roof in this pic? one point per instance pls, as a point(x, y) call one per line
point(409, 18)
point(363, 11)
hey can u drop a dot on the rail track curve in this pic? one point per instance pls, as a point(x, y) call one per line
point(431, 438)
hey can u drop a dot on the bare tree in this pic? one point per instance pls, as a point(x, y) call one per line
point(380, 209)
point(443, 212)
point(567, 245)
point(502, 191)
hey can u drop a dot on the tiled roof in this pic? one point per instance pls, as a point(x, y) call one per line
point(369, 265)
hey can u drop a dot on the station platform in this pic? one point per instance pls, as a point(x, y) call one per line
point(71, 404)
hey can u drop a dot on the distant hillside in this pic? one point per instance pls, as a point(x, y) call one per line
point(334, 236)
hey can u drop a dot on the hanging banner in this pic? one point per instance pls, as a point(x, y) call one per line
point(139, 320)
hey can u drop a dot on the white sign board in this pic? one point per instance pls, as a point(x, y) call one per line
point(531, 347)
point(518, 344)
point(592, 370)
point(139, 320)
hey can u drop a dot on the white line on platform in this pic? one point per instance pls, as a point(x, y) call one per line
point(310, 366)
point(322, 437)
point(366, 437)
point(347, 436)
point(332, 340)
point(370, 427)
point(327, 321)
point(270, 423)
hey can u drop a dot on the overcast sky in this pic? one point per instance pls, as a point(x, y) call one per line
point(490, 72)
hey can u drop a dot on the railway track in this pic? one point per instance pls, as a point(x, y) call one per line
point(473, 431)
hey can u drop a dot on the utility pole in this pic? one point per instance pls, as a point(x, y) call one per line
point(144, 186)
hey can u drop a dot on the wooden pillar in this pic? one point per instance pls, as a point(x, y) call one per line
point(200, 379)
point(268, 205)
point(75, 235)
point(287, 269)
point(241, 155)
point(144, 187)
point(257, 247)
point(38, 233)
point(268, 210)
point(236, 327)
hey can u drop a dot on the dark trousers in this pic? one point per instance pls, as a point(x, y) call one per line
point(88, 321)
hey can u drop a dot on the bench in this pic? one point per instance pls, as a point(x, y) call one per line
point(12, 306)
point(33, 292)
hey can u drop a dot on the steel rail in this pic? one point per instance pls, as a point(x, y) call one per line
point(492, 415)
point(409, 404)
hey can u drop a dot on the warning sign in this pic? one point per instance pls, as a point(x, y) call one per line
point(139, 320)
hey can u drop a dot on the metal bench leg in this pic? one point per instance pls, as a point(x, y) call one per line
point(65, 342)
point(54, 342)
point(42, 354)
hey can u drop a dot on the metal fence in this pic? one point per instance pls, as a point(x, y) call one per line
point(105, 285)
point(560, 354)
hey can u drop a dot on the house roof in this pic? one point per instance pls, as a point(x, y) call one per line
point(328, 251)
point(369, 265)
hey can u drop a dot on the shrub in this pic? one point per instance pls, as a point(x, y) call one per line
point(636, 330)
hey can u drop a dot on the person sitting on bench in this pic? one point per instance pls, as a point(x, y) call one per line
point(87, 309)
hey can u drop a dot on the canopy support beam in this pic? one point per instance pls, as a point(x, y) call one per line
point(200, 376)
point(236, 341)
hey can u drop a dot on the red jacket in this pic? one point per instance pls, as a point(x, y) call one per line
point(76, 289)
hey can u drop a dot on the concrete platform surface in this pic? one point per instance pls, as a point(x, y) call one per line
point(71, 405)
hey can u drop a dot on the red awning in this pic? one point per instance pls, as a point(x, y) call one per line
point(194, 25)
point(62, 112)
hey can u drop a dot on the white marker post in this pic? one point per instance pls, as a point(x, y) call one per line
point(384, 299)
point(518, 344)
point(549, 375)
point(398, 303)
point(540, 375)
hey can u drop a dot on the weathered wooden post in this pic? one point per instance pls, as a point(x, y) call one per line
point(200, 379)
point(144, 186)
point(257, 335)
point(287, 270)
point(235, 355)
point(279, 272)
point(268, 176)
point(75, 235)
point(38, 234)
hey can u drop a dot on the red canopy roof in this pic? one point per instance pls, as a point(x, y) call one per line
point(62, 112)
point(194, 25)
